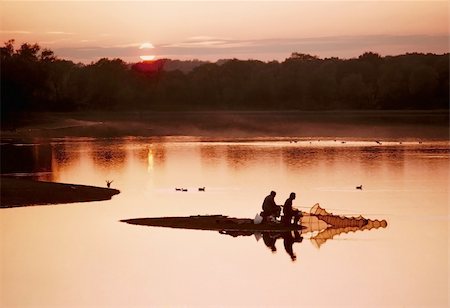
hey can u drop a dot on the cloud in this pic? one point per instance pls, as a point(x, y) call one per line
point(15, 32)
point(207, 41)
point(211, 48)
point(52, 42)
point(136, 45)
point(59, 33)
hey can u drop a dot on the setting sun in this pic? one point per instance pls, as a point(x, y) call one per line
point(147, 45)
point(147, 57)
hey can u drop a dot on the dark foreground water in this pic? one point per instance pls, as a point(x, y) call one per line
point(80, 255)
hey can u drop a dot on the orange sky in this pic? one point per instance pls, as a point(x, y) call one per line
point(86, 31)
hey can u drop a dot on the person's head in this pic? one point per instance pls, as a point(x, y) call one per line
point(273, 194)
point(292, 196)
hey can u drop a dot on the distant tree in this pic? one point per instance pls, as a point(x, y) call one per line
point(108, 87)
point(29, 52)
point(353, 91)
point(23, 79)
point(392, 87)
point(323, 86)
point(370, 57)
point(303, 57)
point(61, 93)
point(47, 55)
point(7, 51)
point(423, 82)
point(442, 92)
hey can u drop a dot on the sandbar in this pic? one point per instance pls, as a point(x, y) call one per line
point(16, 192)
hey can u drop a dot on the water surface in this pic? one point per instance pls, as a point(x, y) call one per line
point(79, 255)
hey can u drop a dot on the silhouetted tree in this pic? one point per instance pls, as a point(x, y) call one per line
point(34, 79)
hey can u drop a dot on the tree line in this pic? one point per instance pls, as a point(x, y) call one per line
point(34, 79)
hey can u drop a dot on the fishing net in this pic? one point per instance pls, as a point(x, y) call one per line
point(335, 220)
point(331, 232)
point(330, 225)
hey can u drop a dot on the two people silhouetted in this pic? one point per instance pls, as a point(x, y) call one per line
point(271, 210)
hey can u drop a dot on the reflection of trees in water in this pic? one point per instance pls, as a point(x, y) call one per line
point(247, 156)
point(108, 155)
point(300, 157)
point(433, 156)
point(212, 154)
point(26, 158)
point(370, 157)
point(111, 156)
point(158, 152)
point(379, 158)
point(394, 159)
point(240, 156)
point(72, 153)
point(63, 155)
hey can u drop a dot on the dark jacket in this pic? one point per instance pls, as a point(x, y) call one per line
point(287, 208)
point(269, 205)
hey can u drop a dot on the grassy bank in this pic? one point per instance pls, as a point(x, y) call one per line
point(24, 192)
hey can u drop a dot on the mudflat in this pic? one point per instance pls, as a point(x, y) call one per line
point(25, 192)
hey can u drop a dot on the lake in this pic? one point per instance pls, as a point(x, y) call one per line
point(81, 255)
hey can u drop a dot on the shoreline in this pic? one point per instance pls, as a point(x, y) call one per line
point(25, 192)
point(356, 123)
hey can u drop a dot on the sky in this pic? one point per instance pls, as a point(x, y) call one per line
point(85, 31)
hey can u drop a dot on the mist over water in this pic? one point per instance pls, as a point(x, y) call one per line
point(81, 254)
point(232, 125)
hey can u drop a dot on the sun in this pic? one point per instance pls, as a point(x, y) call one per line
point(146, 46)
point(147, 57)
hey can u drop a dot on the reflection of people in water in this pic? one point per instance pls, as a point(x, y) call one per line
point(289, 211)
point(270, 209)
point(270, 240)
point(289, 238)
point(289, 241)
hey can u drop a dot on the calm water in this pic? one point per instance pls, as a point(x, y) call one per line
point(80, 255)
